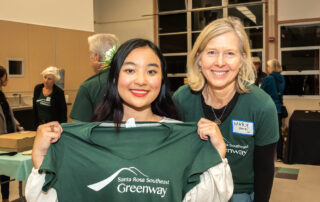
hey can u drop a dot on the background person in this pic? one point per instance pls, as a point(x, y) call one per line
point(259, 73)
point(137, 88)
point(8, 124)
point(93, 89)
point(274, 85)
point(49, 103)
point(220, 94)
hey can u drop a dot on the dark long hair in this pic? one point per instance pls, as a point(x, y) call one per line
point(3, 72)
point(111, 108)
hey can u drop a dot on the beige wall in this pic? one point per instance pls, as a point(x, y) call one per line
point(298, 9)
point(40, 47)
point(124, 18)
point(69, 14)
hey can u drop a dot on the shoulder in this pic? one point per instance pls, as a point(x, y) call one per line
point(39, 86)
point(97, 78)
point(57, 89)
point(37, 89)
point(185, 92)
point(268, 78)
point(257, 98)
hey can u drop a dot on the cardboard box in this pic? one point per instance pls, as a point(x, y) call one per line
point(17, 142)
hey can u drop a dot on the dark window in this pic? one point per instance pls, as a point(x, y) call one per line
point(299, 60)
point(300, 35)
point(205, 3)
point(15, 67)
point(172, 23)
point(249, 15)
point(201, 18)
point(302, 85)
point(256, 37)
point(194, 37)
point(242, 1)
point(169, 5)
point(176, 64)
point(173, 43)
point(175, 83)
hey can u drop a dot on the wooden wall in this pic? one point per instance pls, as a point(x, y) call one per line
point(40, 47)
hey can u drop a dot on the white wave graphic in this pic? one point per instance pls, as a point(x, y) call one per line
point(100, 185)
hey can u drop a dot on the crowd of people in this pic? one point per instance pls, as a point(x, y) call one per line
point(213, 140)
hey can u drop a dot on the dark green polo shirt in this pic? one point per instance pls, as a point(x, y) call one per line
point(89, 95)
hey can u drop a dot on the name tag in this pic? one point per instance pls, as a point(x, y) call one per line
point(48, 99)
point(243, 127)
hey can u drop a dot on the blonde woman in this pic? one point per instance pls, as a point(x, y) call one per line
point(274, 85)
point(221, 95)
point(49, 103)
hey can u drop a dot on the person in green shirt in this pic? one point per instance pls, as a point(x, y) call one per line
point(93, 89)
point(220, 93)
point(140, 148)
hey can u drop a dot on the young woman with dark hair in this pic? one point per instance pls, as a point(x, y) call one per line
point(138, 153)
point(111, 108)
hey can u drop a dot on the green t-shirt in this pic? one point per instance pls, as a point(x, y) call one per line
point(146, 163)
point(44, 107)
point(253, 121)
point(89, 95)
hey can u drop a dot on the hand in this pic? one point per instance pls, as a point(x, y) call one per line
point(20, 128)
point(46, 134)
point(209, 129)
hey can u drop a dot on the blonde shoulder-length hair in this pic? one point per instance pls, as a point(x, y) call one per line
point(220, 26)
point(274, 66)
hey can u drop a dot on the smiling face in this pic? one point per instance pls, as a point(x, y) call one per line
point(220, 61)
point(48, 80)
point(140, 79)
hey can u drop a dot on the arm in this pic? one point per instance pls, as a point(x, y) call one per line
point(263, 171)
point(33, 190)
point(216, 184)
point(209, 129)
point(46, 134)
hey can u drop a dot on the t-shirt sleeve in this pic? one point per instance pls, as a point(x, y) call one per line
point(82, 109)
point(266, 126)
point(49, 166)
point(206, 158)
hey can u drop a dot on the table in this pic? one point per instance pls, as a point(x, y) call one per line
point(18, 166)
point(303, 145)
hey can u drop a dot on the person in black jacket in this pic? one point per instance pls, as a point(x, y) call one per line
point(49, 103)
point(8, 124)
